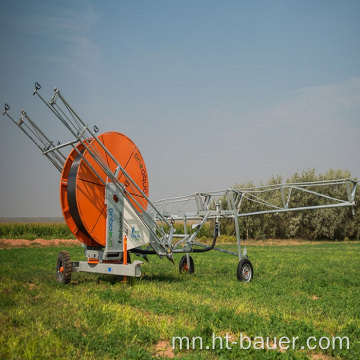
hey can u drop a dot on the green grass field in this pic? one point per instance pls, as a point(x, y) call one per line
point(297, 291)
point(33, 231)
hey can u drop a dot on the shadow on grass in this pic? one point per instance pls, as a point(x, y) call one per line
point(82, 279)
point(168, 278)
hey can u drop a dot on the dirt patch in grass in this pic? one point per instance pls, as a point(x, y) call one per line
point(286, 242)
point(164, 349)
point(14, 243)
point(321, 357)
point(228, 240)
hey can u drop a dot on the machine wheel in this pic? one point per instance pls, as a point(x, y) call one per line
point(183, 265)
point(63, 268)
point(245, 270)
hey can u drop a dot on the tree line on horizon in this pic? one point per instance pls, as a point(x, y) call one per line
point(338, 223)
point(319, 224)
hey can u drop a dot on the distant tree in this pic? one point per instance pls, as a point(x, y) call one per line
point(332, 223)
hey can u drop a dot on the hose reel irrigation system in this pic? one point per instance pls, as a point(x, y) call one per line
point(104, 199)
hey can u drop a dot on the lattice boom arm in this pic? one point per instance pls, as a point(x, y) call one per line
point(263, 200)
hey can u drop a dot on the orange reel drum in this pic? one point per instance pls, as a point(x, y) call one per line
point(82, 193)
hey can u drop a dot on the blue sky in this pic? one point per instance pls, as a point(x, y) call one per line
point(213, 93)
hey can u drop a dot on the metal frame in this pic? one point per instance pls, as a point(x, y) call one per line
point(159, 216)
point(82, 133)
point(200, 206)
point(133, 269)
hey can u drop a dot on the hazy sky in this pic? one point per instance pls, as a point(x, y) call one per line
point(213, 93)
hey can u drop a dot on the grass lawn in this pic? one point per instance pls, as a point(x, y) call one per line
point(297, 291)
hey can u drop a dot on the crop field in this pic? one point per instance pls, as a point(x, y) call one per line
point(298, 291)
point(33, 231)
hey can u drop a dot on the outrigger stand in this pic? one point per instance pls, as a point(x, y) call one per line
point(139, 225)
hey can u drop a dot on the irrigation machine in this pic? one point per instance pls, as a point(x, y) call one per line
point(104, 200)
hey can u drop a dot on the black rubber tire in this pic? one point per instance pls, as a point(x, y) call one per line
point(245, 270)
point(63, 263)
point(183, 266)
